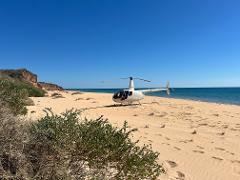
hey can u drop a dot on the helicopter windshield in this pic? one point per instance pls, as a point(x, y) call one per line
point(122, 95)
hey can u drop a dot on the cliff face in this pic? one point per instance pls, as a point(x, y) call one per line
point(21, 75)
point(26, 76)
point(50, 86)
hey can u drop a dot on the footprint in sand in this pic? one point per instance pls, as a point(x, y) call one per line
point(151, 114)
point(172, 164)
point(212, 126)
point(217, 158)
point(200, 147)
point(146, 126)
point(224, 126)
point(163, 114)
point(236, 161)
point(221, 133)
point(167, 138)
point(163, 126)
point(237, 127)
point(182, 141)
point(186, 114)
point(165, 144)
point(203, 124)
point(135, 115)
point(186, 141)
point(76, 93)
point(89, 99)
point(78, 99)
point(220, 149)
point(194, 132)
point(197, 151)
point(187, 119)
point(180, 175)
point(177, 148)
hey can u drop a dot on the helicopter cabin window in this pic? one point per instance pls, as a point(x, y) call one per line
point(124, 95)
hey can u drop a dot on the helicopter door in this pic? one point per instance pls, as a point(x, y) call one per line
point(125, 95)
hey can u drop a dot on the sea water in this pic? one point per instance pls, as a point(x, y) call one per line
point(217, 95)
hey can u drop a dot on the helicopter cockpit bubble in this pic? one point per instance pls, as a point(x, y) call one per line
point(122, 95)
point(118, 95)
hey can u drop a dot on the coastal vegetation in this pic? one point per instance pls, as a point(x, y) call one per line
point(66, 146)
point(16, 86)
point(13, 97)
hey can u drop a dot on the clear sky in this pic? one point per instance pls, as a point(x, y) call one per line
point(79, 43)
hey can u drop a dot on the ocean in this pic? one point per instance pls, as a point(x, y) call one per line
point(217, 95)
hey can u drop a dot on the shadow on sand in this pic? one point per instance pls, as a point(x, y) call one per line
point(116, 105)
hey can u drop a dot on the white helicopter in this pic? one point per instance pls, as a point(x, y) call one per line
point(130, 95)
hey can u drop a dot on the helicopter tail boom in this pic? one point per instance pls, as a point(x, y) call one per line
point(167, 89)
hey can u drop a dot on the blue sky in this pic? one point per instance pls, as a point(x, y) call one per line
point(80, 43)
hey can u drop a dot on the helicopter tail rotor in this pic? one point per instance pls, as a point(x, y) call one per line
point(168, 88)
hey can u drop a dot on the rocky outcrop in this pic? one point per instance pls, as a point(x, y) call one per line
point(21, 75)
point(50, 86)
point(26, 76)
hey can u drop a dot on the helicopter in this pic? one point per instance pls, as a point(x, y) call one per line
point(130, 95)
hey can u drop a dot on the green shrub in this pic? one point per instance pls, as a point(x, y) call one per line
point(13, 97)
point(63, 146)
point(32, 91)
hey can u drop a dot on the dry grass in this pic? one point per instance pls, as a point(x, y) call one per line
point(13, 136)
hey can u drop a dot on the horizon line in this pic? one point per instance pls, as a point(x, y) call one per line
point(158, 87)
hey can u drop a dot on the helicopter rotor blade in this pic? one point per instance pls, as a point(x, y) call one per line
point(134, 78)
point(142, 79)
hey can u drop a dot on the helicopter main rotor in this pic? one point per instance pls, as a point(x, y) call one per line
point(131, 78)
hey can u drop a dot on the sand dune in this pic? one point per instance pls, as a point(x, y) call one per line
point(196, 140)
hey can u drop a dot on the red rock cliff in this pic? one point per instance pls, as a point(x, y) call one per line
point(27, 76)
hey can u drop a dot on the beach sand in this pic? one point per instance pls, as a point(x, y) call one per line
point(196, 140)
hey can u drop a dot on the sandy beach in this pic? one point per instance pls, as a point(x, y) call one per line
point(196, 140)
